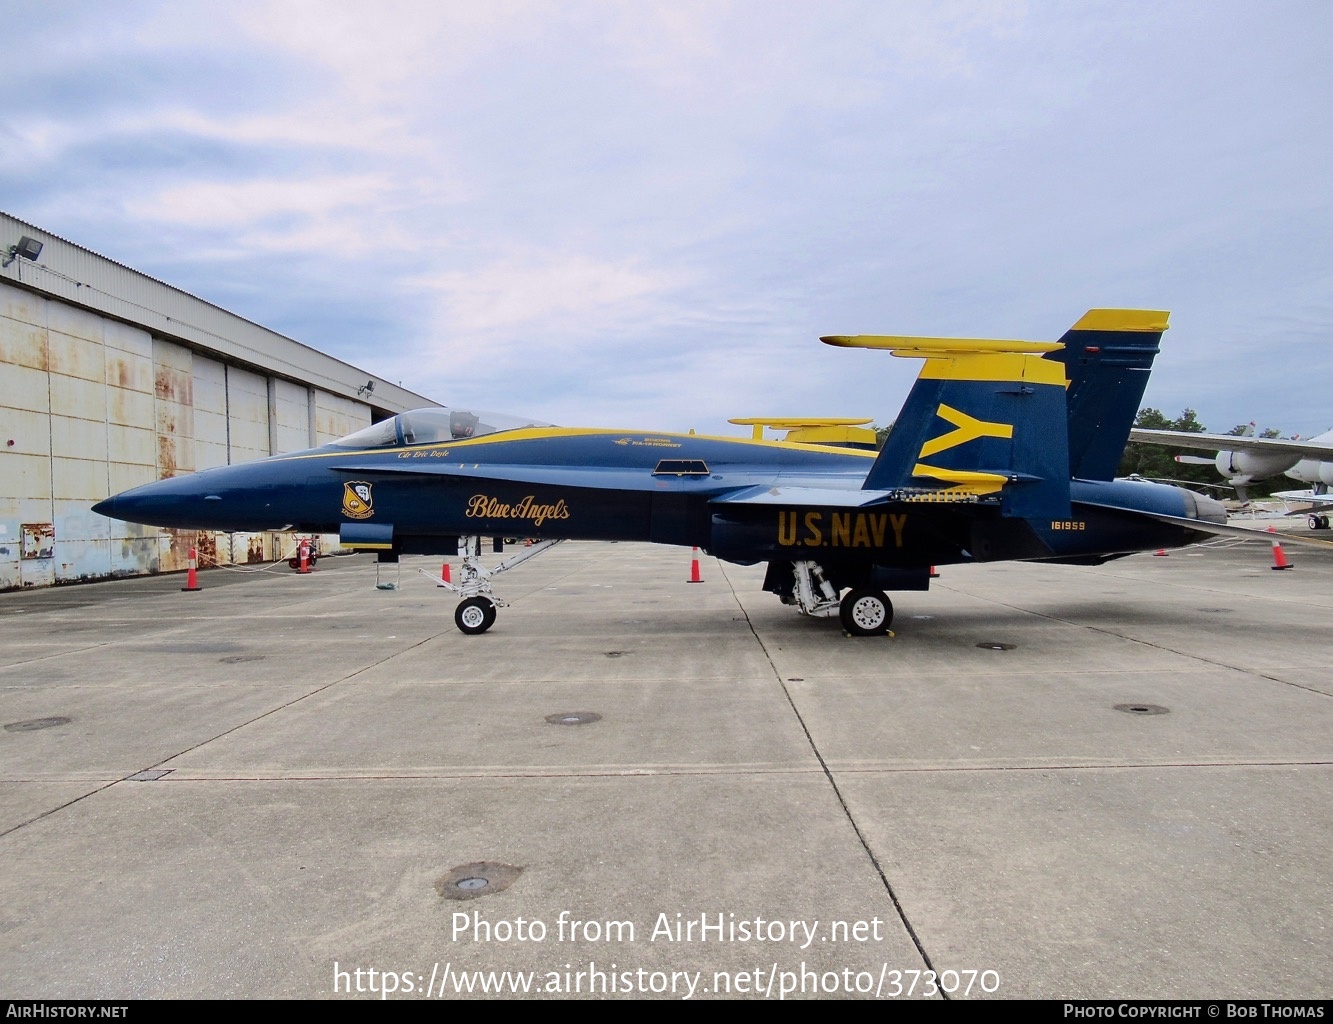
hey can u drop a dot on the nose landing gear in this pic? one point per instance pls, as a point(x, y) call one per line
point(478, 606)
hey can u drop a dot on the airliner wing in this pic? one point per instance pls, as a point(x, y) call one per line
point(1314, 449)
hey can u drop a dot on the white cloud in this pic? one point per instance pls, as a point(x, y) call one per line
point(550, 293)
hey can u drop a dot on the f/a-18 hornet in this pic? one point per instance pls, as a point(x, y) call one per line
point(1003, 450)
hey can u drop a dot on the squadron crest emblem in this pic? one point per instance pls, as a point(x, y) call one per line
point(357, 501)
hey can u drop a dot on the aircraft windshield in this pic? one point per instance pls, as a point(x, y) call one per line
point(429, 426)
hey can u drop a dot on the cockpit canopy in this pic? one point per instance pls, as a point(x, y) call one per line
point(431, 426)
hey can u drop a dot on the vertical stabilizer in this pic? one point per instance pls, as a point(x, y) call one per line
point(1106, 356)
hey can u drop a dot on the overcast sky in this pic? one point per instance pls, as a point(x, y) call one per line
point(643, 214)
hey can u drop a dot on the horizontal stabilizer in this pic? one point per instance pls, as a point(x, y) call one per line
point(1225, 529)
point(1107, 356)
point(911, 347)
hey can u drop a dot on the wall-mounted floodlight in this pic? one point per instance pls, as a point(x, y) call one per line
point(28, 248)
point(366, 388)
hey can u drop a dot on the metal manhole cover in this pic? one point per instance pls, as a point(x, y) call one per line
point(236, 659)
point(617, 654)
point(470, 881)
point(33, 724)
point(574, 718)
point(1216, 609)
point(1142, 709)
point(995, 645)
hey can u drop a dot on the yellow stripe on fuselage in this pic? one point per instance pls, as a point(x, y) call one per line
point(540, 433)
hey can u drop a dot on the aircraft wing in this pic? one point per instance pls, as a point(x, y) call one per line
point(1315, 449)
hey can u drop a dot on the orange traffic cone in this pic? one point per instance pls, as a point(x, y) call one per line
point(1159, 553)
point(1279, 559)
point(192, 577)
point(933, 574)
point(444, 573)
point(694, 568)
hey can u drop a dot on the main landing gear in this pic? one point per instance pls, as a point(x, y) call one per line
point(478, 607)
point(1318, 521)
point(863, 611)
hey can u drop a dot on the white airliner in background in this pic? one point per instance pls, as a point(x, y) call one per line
point(1243, 460)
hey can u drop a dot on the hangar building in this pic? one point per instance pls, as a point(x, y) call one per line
point(110, 379)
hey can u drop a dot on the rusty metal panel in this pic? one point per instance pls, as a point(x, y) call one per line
point(75, 357)
point(174, 389)
point(135, 553)
point(129, 370)
point(39, 540)
point(36, 546)
point(174, 549)
point(78, 439)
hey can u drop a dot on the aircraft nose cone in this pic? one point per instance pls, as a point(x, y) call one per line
point(106, 507)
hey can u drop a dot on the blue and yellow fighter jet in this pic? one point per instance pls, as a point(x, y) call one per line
point(1003, 450)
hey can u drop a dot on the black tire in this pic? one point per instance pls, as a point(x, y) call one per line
point(866, 613)
point(1313, 522)
point(475, 615)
